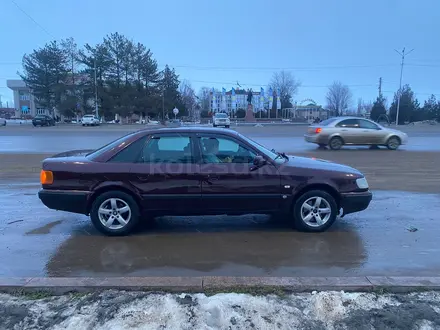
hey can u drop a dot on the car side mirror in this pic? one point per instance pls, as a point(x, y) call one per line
point(259, 161)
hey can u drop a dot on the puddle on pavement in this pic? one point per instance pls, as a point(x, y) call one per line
point(234, 246)
point(44, 229)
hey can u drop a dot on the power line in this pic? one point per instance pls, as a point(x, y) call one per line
point(32, 19)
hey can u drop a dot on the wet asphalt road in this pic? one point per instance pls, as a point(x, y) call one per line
point(287, 138)
point(397, 235)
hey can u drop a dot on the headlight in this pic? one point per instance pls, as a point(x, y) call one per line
point(362, 183)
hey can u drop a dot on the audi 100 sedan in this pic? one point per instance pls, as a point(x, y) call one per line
point(198, 171)
point(339, 131)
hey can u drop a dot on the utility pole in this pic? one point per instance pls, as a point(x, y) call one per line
point(380, 87)
point(163, 104)
point(96, 92)
point(402, 54)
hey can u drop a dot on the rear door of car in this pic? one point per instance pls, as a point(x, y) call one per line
point(349, 130)
point(167, 175)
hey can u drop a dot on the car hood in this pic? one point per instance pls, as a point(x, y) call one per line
point(320, 164)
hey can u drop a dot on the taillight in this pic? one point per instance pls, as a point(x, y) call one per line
point(318, 130)
point(46, 177)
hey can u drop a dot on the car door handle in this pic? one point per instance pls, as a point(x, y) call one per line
point(143, 177)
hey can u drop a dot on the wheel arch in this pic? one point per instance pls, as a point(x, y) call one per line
point(112, 187)
point(317, 186)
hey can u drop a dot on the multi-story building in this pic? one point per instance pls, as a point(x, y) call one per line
point(25, 103)
point(223, 103)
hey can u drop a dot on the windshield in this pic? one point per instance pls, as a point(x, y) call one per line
point(272, 155)
point(221, 115)
point(109, 146)
point(327, 121)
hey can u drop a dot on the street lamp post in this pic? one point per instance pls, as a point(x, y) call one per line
point(96, 91)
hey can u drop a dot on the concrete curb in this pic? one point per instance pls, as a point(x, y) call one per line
point(213, 284)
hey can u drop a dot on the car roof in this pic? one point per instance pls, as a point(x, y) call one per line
point(184, 129)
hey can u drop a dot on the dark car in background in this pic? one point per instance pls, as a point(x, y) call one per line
point(198, 171)
point(43, 120)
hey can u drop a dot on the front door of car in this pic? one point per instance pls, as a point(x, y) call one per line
point(167, 175)
point(230, 181)
point(349, 131)
point(371, 133)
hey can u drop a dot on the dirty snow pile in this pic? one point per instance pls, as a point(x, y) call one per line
point(138, 310)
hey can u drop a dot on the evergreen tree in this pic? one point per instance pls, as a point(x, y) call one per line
point(45, 71)
point(378, 108)
point(169, 85)
point(408, 104)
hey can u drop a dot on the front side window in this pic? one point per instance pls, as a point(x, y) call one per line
point(349, 123)
point(168, 149)
point(368, 124)
point(224, 150)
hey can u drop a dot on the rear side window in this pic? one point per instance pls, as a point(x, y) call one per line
point(349, 123)
point(130, 154)
point(168, 149)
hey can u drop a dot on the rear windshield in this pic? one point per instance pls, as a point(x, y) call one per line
point(109, 146)
point(327, 121)
point(221, 115)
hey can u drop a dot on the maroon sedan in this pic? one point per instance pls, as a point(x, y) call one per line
point(198, 171)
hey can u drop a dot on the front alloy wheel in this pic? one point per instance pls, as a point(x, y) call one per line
point(315, 211)
point(393, 143)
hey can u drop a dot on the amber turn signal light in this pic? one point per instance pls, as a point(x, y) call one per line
point(318, 130)
point(46, 177)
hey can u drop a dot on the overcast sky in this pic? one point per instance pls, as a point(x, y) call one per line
point(217, 43)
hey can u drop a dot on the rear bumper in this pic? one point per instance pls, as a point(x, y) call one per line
point(315, 138)
point(64, 200)
point(355, 202)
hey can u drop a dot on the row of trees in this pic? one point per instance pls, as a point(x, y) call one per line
point(122, 73)
point(409, 109)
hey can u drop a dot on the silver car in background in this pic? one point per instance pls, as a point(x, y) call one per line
point(339, 131)
point(2, 122)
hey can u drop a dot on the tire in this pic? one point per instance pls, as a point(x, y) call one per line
point(336, 143)
point(121, 199)
point(214, 125)
point(227, 126)
point(301, 212)
point(84, 124)
point(393, 143)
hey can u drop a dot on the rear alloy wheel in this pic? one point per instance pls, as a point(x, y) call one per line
point(315, 211)
point(336, 143)
point(115, 213)
point(393, 143)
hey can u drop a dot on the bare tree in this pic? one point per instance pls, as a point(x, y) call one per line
point(188, 97)
point(285, 82)
point(204, 98)
point(338, 98)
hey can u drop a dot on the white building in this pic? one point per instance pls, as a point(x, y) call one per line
point(223, 103)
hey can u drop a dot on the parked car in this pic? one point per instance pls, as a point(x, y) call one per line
point(198, 171)
point(2, 122)
point(90, 120)
point(339, 131)
point(221, 119)
point(43, 120)
point(174, 123)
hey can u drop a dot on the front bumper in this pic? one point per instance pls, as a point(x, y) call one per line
point(355, 202)
point(65, 200)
